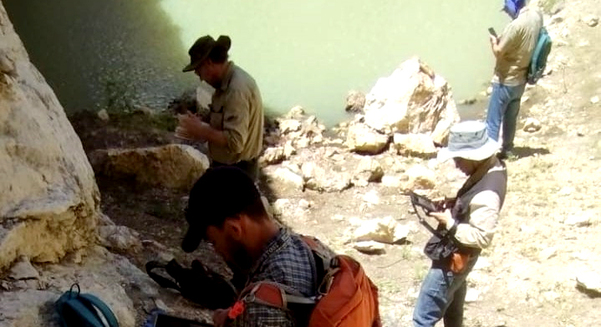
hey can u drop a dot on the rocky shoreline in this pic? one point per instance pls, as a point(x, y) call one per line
point(346, 186)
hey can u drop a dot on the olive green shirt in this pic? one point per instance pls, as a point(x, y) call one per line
point(237, 110)
point(517, 45)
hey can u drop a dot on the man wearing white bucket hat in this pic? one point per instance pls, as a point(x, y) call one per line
point(467, 224)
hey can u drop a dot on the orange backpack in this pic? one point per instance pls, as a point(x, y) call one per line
point(346, 296)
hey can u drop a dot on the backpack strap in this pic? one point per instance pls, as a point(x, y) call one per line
point(273, 295)
point(277, 295)
point(328, 278)
point(265, 293)
point(102, 308)
point(323, 258)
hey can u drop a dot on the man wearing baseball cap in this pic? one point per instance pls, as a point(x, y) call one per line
point(234, 131)
point(225, 210)
point(469, 221)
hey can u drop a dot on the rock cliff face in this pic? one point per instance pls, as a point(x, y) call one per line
point(48, 196)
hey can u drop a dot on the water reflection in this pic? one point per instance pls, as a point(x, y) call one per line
point(103, 52)
point(124, 52)
point(312, 52)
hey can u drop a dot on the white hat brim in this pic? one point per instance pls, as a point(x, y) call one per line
point(486, 151)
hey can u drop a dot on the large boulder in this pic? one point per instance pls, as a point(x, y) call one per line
point(413, 99)
point(416, 145)
point(322, 176)
point(175, 166)
point(360, 138)
point(49, 200)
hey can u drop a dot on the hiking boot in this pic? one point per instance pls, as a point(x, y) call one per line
point(507, 155)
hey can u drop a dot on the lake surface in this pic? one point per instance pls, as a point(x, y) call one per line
point(121, 53)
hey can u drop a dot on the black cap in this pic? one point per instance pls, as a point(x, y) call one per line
point(220, 193)
point(202, 48)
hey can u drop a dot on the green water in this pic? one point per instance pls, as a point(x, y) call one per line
point(308, 53)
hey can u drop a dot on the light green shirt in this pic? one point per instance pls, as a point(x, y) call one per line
point(517, 45)
point(237, 110)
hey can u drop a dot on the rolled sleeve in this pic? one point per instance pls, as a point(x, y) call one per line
point(478, 232)
point(236, 121)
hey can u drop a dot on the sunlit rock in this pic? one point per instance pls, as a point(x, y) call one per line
point(413, 99)
point(49, 201)
point(415, 145)
point(174, 166)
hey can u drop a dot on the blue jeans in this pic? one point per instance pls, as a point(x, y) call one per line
point(442, 296)
point(503, 108)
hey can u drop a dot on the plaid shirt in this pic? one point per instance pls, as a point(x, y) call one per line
point(288, 261)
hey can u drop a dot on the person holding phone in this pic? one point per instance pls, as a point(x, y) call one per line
point(471, 223)
point(513, 51)
point(234, 131)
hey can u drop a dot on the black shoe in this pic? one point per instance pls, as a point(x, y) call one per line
point(506, 155)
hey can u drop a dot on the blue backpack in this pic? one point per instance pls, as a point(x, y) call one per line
point(539, 56)
point(83, 310)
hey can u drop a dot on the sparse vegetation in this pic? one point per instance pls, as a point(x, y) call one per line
point(407, 252)
point(118, 92)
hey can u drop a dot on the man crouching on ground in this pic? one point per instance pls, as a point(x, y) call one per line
point(470, 222)
point(225, 210)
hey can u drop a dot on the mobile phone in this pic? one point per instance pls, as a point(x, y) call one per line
point(492, 32)
point(423, 202)
point(165, 320)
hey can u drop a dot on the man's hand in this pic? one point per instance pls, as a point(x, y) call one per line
point(443, 217)
point(190, 127)
point(444, 203)
point(494, 45)
point(220, 317)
